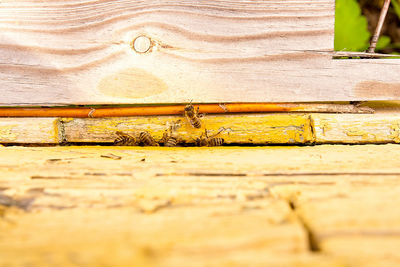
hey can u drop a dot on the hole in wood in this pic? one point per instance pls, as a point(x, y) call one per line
point(142, 44)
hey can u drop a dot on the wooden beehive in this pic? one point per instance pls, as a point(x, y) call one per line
point(68, 52)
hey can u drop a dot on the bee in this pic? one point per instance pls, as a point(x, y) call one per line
point(124, 139)
point(146, 139)
point(210, 140)
point(170, 137)
point(192, 115)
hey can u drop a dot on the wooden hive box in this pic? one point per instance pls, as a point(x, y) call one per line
point(172, 52)
point(116, 52)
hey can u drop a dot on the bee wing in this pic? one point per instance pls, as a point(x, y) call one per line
point(119, 133)
point(219, 131)
point(122, 134)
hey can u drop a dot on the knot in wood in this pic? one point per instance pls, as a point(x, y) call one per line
point(142, 44)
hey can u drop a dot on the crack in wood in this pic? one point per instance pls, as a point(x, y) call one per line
point(213, 174)
point(313, 244)
point(20, 203)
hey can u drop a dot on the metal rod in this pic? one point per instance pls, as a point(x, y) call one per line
point(378, 29)
point(178, 109)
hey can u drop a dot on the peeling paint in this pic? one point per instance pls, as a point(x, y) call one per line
point(260, 129)
point(395, 132)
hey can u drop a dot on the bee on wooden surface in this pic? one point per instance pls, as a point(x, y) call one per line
point(210, 140)
point(146, 139)
point(193, 115)
point(124, 139)
point(170, 137)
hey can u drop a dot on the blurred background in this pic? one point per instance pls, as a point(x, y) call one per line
point(356, 21)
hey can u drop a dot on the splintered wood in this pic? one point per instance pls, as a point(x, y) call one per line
point(110, 52)
point(99, 206)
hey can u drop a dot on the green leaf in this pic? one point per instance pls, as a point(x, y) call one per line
point(351, 28)
point(383, 42)
point(396, 7)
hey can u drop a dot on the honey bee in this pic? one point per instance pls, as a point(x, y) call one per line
point(210, 140)
point(146, 139)
point(124, 139)
point(192, 115)
point(170, 137)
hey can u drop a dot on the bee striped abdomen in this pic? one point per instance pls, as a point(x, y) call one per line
point(124, 139)
point(171, 142)
point(192, 116)
point(196, 122)
point(146, 139)
point(216, 142)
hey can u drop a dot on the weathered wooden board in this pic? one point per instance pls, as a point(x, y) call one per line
point(27, 130)
point(200, 206)
point(84, 52)
point(279, 128)
point(254, 129)
point(363, 128)
point(91, 204)
point(346, 218)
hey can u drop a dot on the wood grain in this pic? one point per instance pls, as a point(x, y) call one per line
point(230, 206)
point(24, 130)
point(364, 128)
point(261, 129)
point(124, 208)
point(351, 227)
point(82, 52)
point(241, 129)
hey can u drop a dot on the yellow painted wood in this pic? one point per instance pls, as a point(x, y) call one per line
point(278, 128)
point(28, 130)
point(250, 128)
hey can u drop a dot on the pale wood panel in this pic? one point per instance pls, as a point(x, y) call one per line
point(80, 52)
point(208, 51)
point(254, 129)
point(25, 130)
point(363, 128)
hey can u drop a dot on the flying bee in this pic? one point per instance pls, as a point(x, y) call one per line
point(210, 140)
point(146, 139)
point(124, 139)
point(193, 115)
point(170, 137)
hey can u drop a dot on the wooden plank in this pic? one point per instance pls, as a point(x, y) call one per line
point(92, 204)
point(350, 216)
point(363, 128)
point(371, 251)
point(211, 206)
point(343, 216)
point(255, 129)
point(24, 130)
point(209, 51)
point(278, 128)
point(195, 50)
